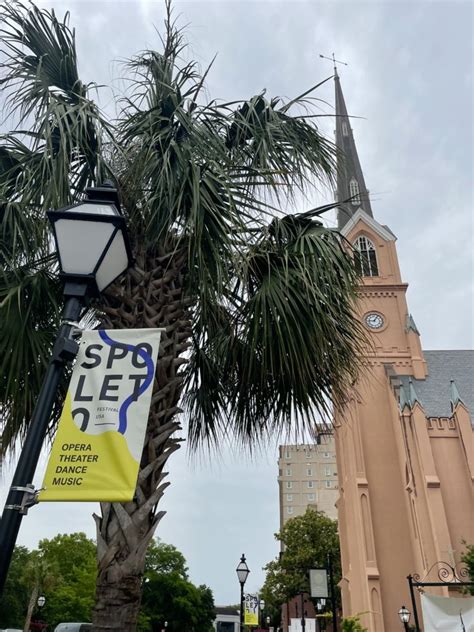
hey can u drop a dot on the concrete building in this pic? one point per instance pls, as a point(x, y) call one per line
point(307, 477)
point(404, 440)
point(227, 619)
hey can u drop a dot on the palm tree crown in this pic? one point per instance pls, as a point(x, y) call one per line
point(257, 306)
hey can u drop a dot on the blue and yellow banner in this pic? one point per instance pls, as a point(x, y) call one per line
point(251, 609)
point(97, 449)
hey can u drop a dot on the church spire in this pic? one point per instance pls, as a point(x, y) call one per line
point(350, 179)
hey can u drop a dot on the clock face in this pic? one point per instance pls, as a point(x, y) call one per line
point(374, 320)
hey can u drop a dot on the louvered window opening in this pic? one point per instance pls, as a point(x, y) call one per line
point(354, 192)
point(366, 257)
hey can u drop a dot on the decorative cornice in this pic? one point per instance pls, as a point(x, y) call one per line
point(394, 287)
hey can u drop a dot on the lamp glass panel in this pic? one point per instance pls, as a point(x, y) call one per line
point(242, 572)
point(95, 209)
point(404, 615)
point(114, 263)
point(81, 244)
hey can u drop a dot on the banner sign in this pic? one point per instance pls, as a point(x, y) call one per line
point(318, 579)
point(447, 614)
point(98, 445)
point(251, 609)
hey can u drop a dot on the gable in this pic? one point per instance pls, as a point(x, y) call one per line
point(360, 216)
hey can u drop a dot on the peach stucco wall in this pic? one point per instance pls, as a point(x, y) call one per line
point(405, 489)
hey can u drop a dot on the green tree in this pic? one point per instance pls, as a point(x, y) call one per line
point(256, 307)
point(168, 595)
point(307, 542)
point(71, 561)
point(16, 595)
point(468, 560)
point(164, 558)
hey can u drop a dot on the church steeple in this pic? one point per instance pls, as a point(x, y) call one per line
point(350, 179)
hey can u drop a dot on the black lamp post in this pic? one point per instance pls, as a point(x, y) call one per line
point(303, 613)
point(404, 615)
point(242, 571)
point(268, 622)
point(261, 606)
point(93, 250)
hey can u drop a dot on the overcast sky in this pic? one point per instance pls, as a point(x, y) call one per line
point(409, 78)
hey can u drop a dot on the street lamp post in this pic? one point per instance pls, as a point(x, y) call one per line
point(261, 606)
point(303, 618)
point(268, 622)
point(242, 571)
point(404, 615)
point(93, 250)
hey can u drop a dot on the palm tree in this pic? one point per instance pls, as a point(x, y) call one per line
point(256, 305)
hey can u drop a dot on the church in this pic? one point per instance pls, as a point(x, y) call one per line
point(404, 441)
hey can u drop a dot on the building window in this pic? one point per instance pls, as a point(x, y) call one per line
point(354, 192)
point(365, 257)
point(309, 472)
point(289, 510)
point(326, 455)
point(310, 484)
point(327, 471)
point(328, 483)
point(345, 129)
point(289, 484)
point(289, 497)
point(288, 471)
point(287, 454)
point(310, 496)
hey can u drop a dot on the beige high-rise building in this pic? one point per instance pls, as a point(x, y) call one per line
point(307, 477)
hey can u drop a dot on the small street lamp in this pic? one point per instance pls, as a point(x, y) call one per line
point(268, 622)
point(242, 571)
point(404, 615)
point(93, 250)
point(261, 606)
point(41, 601)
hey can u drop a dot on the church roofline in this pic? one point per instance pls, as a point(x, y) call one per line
point(384, 232)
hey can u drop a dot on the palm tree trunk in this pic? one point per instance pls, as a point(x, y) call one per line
point(152, 296)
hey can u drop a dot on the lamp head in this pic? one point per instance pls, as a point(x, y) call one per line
point(91, 240)
point(41, 601)
point(242, 570)
point(404, 614)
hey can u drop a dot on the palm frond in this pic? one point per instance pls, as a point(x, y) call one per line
point(274, 336)
point(29, 315)
point(290, 344)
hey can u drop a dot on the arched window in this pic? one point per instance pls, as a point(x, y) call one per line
point(366, 257)
point(354, 191)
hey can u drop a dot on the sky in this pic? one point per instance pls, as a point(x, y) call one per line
point(409, 83)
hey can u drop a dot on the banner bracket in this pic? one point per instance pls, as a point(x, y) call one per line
point(30, 498)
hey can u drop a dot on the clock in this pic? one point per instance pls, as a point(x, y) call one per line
point(373, 320)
